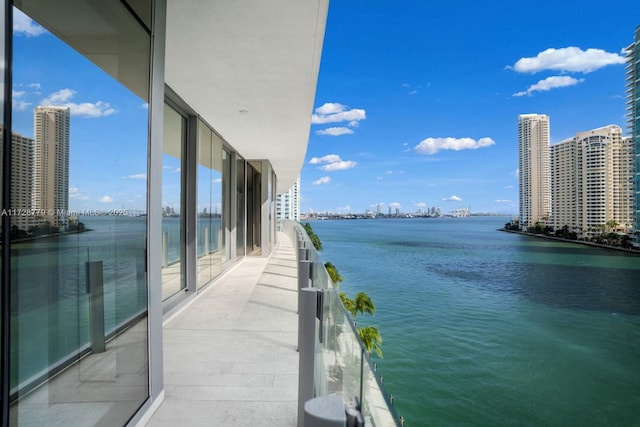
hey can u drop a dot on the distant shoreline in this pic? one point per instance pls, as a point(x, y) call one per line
point(580, 242)
point(401, 216)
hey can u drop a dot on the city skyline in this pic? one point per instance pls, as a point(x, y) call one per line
point(415, 110)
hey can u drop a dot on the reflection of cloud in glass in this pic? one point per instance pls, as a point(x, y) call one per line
point(22, 24)
point(62, 98)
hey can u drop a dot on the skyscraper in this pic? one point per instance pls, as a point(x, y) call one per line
point(289, 206)
point(51, 164)
point(533, 164)
point(21, 180)
point(633, 108)
point(591, 182)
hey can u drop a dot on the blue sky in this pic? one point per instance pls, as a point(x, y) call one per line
point(106, 119)
point(416, 105)
point(417, 102)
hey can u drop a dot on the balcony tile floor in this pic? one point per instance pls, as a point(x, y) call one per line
point(230, 356)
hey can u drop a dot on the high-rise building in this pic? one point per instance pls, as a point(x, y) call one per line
point(533, 164)
point(289, 206)
point(633, 109)
point(51, 164)
point(21, 180)
point(591, 182)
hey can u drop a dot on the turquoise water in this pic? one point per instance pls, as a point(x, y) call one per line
point(487, 328)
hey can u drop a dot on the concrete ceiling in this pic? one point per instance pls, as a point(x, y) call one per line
point(250, 69)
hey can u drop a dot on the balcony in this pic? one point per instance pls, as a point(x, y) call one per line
point(231, 356)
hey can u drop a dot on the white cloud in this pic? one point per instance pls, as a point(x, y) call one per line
point(332, 162)
point(323, 180)
point(216, 180)
point(335, 131)
point(571, 59)
point(17, 102)
point(74, 194)
point(136, 176)
point(503, 201)
point(550, 83)
point(434, 145)
point(394, 205)
point(62, 97)
point(420, 205)
point(333, 112)
point(329, 158)
point(337, 166)
point(509, 187)
point(22, 24)
point(346, 208)
point(453, 198)
point(106, 199)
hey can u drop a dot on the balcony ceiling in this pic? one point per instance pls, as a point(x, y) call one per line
point(250, 69)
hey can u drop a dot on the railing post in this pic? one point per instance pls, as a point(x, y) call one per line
point(304, 271)
point(325, 411)
point(96, 304)
point(306, 348)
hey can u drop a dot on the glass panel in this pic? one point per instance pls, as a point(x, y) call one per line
point(205, 211)
point(240, 207)
point(226, 206)
point(209, 188)
point(174, 137)
point(216, 204)
point(78, 218)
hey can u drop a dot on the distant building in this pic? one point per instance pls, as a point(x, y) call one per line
point(533, 164)
point(289, 203)
point(591, 181)
point(51, 164)
point(633, 122)
point(21, 180)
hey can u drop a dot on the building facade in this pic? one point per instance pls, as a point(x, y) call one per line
point(51, 127)
point(188, 119)
point(533, 165)
point(21, 183)
point(289, 203)
point(592, 182)
point(633, 121)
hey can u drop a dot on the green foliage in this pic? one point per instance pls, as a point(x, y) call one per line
point(363, 304)
point(315, 240)
point(348, 303)
point(335, 276)
point(370, 336)
point(371, 339)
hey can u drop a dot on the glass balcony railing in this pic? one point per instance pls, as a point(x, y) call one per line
point(342, 365)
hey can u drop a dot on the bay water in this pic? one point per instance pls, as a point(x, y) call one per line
point(487, 328)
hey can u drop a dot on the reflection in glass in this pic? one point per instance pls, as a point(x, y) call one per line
point(240, 207)
point(209, 219)
point(226, 206)
point(78, 345)
point(174, 137)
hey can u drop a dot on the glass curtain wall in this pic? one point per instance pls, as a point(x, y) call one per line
point(226, 206)
point(173, 221)
point(210, 231)
point(4, 221)
point(240, 207)
point(78, 291)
